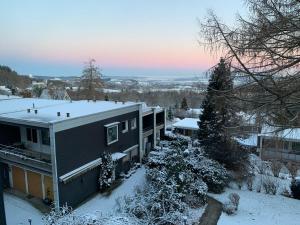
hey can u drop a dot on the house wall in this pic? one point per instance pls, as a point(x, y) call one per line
point(78, 146)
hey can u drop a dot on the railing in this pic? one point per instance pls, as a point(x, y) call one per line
point(26, 157)
point(281, 154)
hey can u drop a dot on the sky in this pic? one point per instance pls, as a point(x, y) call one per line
point(125, 37)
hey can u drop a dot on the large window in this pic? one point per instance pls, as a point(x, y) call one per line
point(112, 134)
point(124, 126)
point(133, 123)
point(31, 135)
point(45, 137)
point(296, 146)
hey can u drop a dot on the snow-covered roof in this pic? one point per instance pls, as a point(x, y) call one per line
point(187, 123)
point(8, 97)
point(249, 141)
point(47, 109)
point(290, 133)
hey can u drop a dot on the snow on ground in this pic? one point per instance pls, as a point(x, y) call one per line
point(106, 204)
point(19, 211)
point(261, 209)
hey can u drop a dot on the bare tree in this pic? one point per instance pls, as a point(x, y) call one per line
point(265, 55)
point(90, 80)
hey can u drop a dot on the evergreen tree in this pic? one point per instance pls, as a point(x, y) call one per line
point(170, 114)
point(217, 116)
point(107, 167)
point(184, 104)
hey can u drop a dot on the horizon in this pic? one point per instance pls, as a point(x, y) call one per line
point(128, 38)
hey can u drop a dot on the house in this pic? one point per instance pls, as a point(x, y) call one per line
point(154, 120)
point(187, 126)
point(2, 211)
point(282, 145)
point(52, 149)
point(55, 93)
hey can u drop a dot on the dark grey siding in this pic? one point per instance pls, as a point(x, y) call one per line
point(2, 211)
point(9, 134)
point(80, 145)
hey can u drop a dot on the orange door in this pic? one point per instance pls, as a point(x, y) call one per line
point(18, 176)
point(34, 184)
point(48, 184)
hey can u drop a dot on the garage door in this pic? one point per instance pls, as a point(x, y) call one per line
point(48, 184)
point(34, 184)
point(18, 176)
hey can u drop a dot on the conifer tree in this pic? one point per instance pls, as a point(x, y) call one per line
point(184, 104)
point(217, 116)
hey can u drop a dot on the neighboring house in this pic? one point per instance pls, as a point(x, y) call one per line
point(51, 149)
point(5, 91)
point(2, 210)
point(154, 120)
point(283, 145)
point(56, 94)
point(187, 126)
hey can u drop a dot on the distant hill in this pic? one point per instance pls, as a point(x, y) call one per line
point(12, 79)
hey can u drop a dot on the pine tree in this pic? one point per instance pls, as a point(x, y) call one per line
point(170, 114)
point(107, 167)
point(184, 104)
point(217, 116)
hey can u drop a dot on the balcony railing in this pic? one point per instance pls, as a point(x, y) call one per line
point(26, 157)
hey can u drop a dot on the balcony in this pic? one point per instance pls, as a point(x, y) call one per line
point(281, 154)
point(29, 158)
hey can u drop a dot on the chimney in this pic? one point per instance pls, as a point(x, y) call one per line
point(123, 102)
point(58, 113)
point(68, 114)
point(33, 105)
point(116, 102)
point(28, 110)
point(35, 111)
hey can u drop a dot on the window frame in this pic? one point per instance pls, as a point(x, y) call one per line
point(115, 125)
point(133, 121)
point(126, 126)
point(45, 131)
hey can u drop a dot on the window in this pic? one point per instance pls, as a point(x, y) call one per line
point(31, 134)
point(45, 137)
point(124, 126)
point(112, 134)
point(296, 146)
point(133, 123)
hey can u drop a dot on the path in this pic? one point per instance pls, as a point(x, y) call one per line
point(212, 212)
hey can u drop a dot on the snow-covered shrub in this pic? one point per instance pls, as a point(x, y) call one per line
point(107, 168)
point(231, 206)
point(212, 173)
point(276, 167)
point(234, 199)
point(249, 182)
point(270, 185)
point(258, 188)
point(295, 188)
point(293, 169)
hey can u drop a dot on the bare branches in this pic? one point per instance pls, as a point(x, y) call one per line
point(266, 48)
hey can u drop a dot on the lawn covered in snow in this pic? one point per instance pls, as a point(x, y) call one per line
point(19, 211)
point(261, 209)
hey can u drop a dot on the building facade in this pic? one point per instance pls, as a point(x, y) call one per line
point(52, 149)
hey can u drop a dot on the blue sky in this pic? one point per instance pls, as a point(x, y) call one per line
point(126, 37)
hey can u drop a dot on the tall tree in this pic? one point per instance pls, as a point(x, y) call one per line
point(91, 79)
point(218, 117)
point(264, 50)
point(184, 104)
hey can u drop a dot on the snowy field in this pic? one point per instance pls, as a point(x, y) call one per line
point(261, 209)
point(19, 211)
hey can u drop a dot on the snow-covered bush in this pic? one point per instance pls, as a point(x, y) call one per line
point(212, 173)
point(295, 188)
point(230, 207)
point(276, 167)
point(293, 169)
point(249, 182)
point(270, 185)
point(106, 175)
